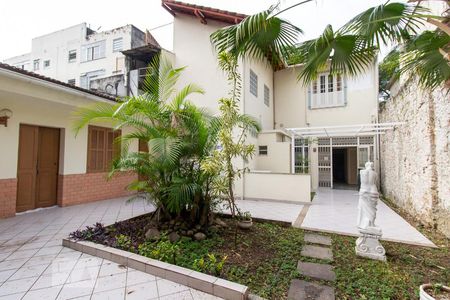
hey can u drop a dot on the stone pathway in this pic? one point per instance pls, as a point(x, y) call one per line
point(305, 290)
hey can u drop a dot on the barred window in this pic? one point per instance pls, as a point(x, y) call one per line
point(262, 150)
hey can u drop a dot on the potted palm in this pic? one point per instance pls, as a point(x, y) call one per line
point(245, 220)
point(430, 291)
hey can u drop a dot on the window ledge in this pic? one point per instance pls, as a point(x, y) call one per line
point(325, 107)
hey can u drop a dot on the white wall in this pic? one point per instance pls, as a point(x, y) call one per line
point(273, 186)
point(291, 103)
point(34, 104)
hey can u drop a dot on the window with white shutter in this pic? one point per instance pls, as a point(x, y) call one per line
point(266, 95)
point(117, 45)
point(326, 91)
point(253, 83)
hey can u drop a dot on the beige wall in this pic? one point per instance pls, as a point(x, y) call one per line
point(291, 103)
point(273, 186)
point(40, 105)
point(278, 158)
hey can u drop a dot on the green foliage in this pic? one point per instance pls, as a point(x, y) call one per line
point(209, 264)
point(179, 137)
point(123, 241)
point(388, 69)
point(162, 250)
point(232, 134)
point(259, 36)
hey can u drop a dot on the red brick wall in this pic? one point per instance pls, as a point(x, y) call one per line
point(8, 190)
point(83, 188)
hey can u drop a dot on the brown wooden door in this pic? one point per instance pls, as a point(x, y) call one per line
point(47, 167)
point(27, 167)
point(37, 175)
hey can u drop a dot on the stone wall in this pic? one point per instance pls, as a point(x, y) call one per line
point(415, 157)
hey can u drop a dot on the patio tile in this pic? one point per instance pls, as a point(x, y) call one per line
point(17, 296)
point(146, 290)
point(49, 250)
point(109, 295)
point(16, 286)
point(76, 289)
point(302, 290)
point(12, 264)
point(317, 239)
point(43, 294)
point(136, 277)
point(198, 295)
point(316, 271)
point(50, 280)
point(166, 287)
point(110, 268)
point(186, 295)
point(110, 282)
point(26, 272)
point(21, 254)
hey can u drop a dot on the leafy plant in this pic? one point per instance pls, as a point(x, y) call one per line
point(90, 233)
point(123, 241)
point(179, 137)
point(209, 264)
point(245, 216)
point(162, 250)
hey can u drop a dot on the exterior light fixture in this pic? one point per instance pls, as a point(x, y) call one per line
point(5, 114)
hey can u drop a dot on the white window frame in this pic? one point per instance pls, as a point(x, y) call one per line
point(93, 51)
point(117, 47)
point(266, 95)
point(36, 64)
point(72, 59)
point(253, 83)
point(327, 91)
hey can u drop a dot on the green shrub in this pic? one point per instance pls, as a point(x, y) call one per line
point(123, 241)
point(163, 250)
point(209, 264)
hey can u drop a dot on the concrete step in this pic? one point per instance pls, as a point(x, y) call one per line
point(316, 271)
point(317, 252)
point(317, 239)
point(303, 290)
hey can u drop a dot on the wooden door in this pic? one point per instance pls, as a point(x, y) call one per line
point(27, 167)
point(47, 167)
point(37, 172)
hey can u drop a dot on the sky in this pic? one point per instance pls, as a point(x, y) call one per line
point(22, 20)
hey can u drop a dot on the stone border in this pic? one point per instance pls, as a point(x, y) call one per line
point(206, 283)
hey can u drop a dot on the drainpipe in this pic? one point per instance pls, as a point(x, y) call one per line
point(273, 98)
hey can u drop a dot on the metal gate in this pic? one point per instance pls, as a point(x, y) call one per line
point(325, 162)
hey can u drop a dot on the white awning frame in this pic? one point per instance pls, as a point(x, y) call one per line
point(343, 130)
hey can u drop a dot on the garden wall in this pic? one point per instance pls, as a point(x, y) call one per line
point(415, 158)
point(277, 186)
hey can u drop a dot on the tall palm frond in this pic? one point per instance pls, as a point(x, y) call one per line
point(422, 57)
point(385, 23)
point(340, 53)
point(258, 36)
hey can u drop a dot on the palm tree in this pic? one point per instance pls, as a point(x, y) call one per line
point(352, 48)
point(179, 137)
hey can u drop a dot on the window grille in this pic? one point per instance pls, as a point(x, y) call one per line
point(253, 83)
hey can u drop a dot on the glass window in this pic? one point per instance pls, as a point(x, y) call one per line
point(46, 63)
point(253, 83)
point(262, 150)
point(314, 87)
point(326, 92)
point(36, 64)
point(72, 55)
point(93, 51)
point(322, 84)
point(330, 83)
point(338, 82)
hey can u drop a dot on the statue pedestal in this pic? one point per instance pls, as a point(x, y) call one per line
point(368, 244)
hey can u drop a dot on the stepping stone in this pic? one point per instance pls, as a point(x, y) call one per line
point(317, 252)
point(316, 271)
point(317, 239)
point(302, 290)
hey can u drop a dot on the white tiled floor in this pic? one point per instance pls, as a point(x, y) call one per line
point(269, 210)
point(34, 265)
point(336, 211)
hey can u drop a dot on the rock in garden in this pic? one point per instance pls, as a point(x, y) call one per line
point(174, 237)
point(190, 233)
point(199, 236)
point(152, 234)
point(220, 222)
point(198, 227)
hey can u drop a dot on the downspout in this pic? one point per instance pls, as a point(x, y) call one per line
point(273, 98)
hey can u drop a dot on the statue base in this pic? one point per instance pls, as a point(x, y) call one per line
point(368, 244)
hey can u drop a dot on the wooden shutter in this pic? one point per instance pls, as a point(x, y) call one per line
point(101, 148)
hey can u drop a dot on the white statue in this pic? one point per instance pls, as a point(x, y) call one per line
point(368, 198)
point(368, 244)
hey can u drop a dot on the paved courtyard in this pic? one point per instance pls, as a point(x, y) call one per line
point(34, 265)
point(336, 211)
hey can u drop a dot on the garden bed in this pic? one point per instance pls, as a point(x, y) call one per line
point(265, 258)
